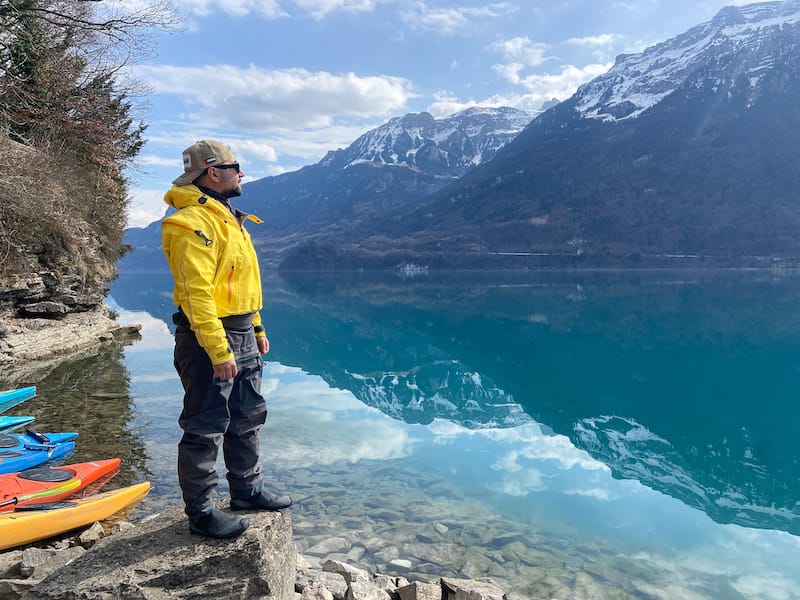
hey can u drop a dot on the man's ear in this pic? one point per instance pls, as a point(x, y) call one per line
point(204, 178)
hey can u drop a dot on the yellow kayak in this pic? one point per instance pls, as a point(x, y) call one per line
point(26, 526)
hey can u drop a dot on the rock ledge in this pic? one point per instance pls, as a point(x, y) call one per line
point(28, 339)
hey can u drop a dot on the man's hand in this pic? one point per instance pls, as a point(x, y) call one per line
point(226, 370)
point(263, 344)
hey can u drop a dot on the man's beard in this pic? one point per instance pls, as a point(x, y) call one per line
point(237, 191)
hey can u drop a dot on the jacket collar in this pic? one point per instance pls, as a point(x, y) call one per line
point(192, 195)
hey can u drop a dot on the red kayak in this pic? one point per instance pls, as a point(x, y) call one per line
point(51, 484)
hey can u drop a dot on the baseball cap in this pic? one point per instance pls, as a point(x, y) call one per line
point(199, 156)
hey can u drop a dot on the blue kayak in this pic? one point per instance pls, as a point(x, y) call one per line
point(20, 451)
point(11, 423)
point(11, 398)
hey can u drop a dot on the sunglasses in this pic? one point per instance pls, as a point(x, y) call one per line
point(231, 166)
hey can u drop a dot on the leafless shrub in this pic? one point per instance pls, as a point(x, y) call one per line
point(67, 128)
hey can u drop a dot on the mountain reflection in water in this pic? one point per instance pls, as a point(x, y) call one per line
point(686, 382)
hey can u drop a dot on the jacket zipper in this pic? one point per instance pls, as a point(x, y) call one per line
point(230, 279)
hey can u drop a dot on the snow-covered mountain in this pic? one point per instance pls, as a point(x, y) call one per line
point(683, 155)
point(749, 35)
point(449, 146)
point(385, 170)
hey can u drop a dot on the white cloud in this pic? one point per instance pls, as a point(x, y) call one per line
point(269, 9)
point(561, 85)
point(151, 160)
point(276, 368)
point(521, 54)
point(329, 425)
point(146, 206)
point(272, 9)
point(508, 462)
point(259, 149)
point(256, 99)
point(269, 385)
point(311, 144)
point(446, 103)
point(605, 39)
point(321, 8)
point(596, 493)
point(521, 50)
point(509, 71)
point(539, 90)
point(155, 335)
point(522, 483)
point(448, 21)
point(535, 445)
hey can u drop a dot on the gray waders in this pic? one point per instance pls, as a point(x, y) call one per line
point(229, 412)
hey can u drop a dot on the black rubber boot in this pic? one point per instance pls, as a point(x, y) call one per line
point(264, 500)
point(218, 524)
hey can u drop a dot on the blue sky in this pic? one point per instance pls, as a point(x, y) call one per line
point(284, 81)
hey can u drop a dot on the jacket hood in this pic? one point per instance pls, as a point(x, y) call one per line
point(183, 196)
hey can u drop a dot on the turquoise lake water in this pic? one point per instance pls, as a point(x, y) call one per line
point(583, 435)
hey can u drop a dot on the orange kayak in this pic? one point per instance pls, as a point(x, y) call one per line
point(51, 484)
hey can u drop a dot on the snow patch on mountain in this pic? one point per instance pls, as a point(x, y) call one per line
point(637, 82)
point(448, 146)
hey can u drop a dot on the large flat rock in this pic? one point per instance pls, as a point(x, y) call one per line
point(160, 559)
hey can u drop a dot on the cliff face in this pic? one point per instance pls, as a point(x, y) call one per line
point(57, 251)
point(42, 292)
point(58, 247)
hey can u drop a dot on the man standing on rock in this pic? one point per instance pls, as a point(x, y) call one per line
point(219, 340)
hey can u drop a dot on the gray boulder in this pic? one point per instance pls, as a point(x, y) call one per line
point(470, 589)
point(420, 591)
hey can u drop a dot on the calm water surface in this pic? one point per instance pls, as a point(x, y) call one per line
point(593, 435)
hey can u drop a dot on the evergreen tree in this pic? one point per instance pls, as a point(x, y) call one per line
point(64, 104)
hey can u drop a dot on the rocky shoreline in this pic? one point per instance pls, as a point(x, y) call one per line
point(36, 339)
point(158, 559)
point(44, 316)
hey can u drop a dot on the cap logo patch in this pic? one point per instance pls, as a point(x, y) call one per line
point(187, 159)
point(210, 160)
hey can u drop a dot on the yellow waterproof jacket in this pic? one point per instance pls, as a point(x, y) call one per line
point(214, 266)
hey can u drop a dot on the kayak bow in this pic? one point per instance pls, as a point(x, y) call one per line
point(51, 484)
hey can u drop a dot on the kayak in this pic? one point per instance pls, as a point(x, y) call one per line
point(39, 522)
point(51, 484)
point(20, 451)
point(11, 423)
point(11, 398)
